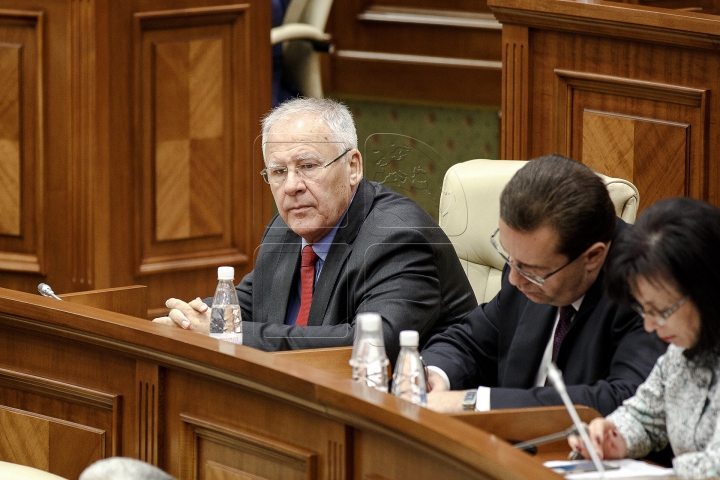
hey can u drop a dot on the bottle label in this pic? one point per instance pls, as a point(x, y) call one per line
point(225, 319)
point(229, 337)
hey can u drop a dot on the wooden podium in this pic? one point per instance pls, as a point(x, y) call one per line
point(78, 383)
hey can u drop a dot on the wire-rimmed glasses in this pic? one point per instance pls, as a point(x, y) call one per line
point(306, 169)
point(536, 279)
point(660, 317)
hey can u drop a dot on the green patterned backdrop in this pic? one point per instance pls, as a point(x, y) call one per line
point(410, 147)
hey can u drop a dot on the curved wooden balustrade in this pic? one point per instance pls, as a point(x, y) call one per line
point(78, 383)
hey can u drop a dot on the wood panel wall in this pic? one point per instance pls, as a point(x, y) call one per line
point(127, 143)
point(418, 50)
point(631, 91)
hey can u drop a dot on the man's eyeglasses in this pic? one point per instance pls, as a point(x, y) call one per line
point(537, 280)
point(307, 170)
point(660, 317)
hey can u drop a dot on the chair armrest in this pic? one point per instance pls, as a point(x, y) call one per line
point(297, 31)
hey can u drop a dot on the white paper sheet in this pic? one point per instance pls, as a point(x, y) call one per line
point(628, 468)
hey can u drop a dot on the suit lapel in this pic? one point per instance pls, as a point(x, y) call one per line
point(342, 246)
point(528, 346)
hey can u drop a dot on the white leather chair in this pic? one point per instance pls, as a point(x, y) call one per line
point(13, 471)
point(470, 212)
point(302, 34)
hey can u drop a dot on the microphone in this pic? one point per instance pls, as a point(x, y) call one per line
point(530, 446)
point(555, 376)
point(46, 291)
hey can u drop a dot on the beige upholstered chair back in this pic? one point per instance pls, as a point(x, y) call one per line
point(470, 210)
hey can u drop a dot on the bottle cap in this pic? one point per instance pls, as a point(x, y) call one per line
point(226, 273)
point(369, 322)
point(409, 338)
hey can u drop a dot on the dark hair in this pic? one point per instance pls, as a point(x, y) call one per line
point(564, 194)
point(676, 241)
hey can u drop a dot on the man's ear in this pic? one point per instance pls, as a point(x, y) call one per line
point(356, 167)
point(595, 255)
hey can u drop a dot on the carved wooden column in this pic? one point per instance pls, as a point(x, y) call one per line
point(514, 139)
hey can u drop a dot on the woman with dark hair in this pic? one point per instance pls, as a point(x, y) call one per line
point(667, 267)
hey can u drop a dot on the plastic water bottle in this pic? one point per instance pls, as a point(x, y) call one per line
point(225, 318)
point(369, 361)
point(409, 380)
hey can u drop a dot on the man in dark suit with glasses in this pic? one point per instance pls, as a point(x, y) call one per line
point(365, 247)
point(557, 224)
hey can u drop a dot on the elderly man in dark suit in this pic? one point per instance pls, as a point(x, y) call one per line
point(369, 248)
point(557, 223)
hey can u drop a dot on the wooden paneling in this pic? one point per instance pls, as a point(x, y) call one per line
point(127, 143)
point(41, 442)
point(206, 409)
point(514, 127)
point(193, 76)
point(21, 141)
point(214, 451)
point(10, 140)
point(417, 50)
point(651, 154)
point(630, 91)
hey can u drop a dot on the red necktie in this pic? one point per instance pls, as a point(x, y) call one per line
point(307, 282)
point(562, 328)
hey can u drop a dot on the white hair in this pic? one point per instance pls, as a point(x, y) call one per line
point(122, 468)
point(336, 115)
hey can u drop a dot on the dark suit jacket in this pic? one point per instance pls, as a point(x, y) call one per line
point(388, 257)
point(605, 355)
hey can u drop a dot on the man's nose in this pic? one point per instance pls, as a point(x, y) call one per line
point(516, 279)
point(294, 183)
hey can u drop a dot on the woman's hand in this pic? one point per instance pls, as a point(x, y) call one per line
point(605, 439)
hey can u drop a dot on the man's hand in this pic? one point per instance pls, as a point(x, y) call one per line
point(605, 439)
point(193, 316)
point(446, 402)
point(436, 383)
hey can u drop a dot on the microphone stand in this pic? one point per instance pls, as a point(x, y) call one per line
point(530, 446)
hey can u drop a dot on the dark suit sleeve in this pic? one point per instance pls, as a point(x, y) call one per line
point(468, 351)
point(635, 354)
point(244, 293)
point(396, 277)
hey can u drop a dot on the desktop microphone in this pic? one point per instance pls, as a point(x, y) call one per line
point(530, 446)
point(46, 291)
point(555, 376)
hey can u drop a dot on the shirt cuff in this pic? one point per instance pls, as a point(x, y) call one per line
point(483, 400)
point(440, 372)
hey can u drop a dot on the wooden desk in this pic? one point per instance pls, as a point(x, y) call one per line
point(79, 383)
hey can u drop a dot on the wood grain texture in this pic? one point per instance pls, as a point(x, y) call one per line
point(130, 300)
point(42, 442)
point(410, 49)
point(10, 179)
point(194, 170)
point(242, 453)
point(655, 67)
point(651, 154)
point(147, 377)
point(514, 137)
point(21, 141)
point(230, 411)
point(521, 424)
point(87, 179)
